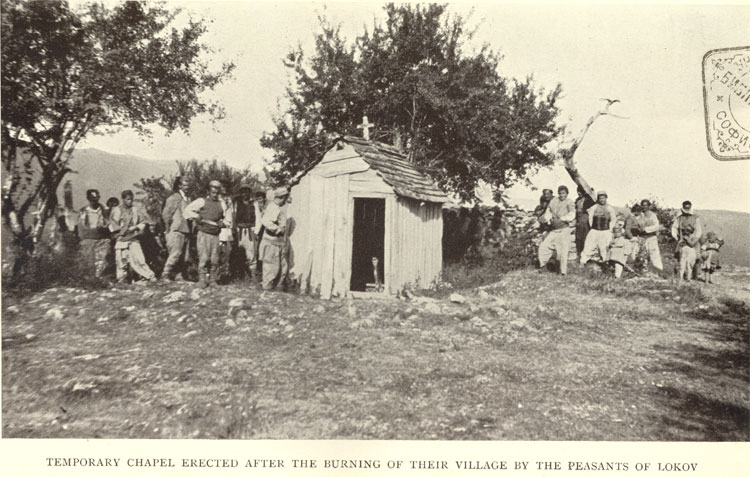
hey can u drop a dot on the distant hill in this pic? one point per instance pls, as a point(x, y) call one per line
point(734, 228)
point(111, 173)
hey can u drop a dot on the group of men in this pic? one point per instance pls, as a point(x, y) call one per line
point(599, 232)
point(257, 224)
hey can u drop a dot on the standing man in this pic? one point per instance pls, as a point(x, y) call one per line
point(177, 230)
point(208, 216)
point(129, 223)
point(272, 246)
point(602, 219)
point(562, 216)
point(246, 218)
point(648, 223)
point(583, 203)
point(94, 233)
point(226, 238)
point(687, 230)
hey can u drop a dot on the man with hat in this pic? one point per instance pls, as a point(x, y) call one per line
point(246, 218)
point(94, 233)
point(562, 213)
point(602, 218)
point(177, 229)
point(648, 223)
point(208, 215)
point(687, 230)
point(272, 246)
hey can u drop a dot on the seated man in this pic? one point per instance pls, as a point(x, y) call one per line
point(129, 223)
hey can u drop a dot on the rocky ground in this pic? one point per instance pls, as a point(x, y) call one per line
point(533, 356)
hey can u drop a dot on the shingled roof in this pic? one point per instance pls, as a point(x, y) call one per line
point(392, 166)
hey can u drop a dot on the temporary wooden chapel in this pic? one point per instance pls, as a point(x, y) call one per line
point(364, 207)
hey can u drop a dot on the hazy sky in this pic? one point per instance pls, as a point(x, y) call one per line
point(647, 57)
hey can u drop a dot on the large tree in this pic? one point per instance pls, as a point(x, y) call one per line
point(448, 109)
point(66, 74)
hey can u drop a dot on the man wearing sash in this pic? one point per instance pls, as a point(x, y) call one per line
point(602, 219)
point(207, 214)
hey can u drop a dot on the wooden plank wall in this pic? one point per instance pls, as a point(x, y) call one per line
point(418, 254)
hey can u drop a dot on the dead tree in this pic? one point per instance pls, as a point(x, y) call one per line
point(569, 146)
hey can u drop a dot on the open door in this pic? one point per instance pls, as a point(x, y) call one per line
point(368, 245)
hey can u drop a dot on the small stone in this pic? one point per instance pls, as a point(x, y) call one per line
point(190, 333)
point(103, 319)
point(319, 309)
point(473, 308)
point(457, 298)
point(433, 308)
point(237, 303)
point(483, 295)
point(54, 313)
point(174, 296)
point(289, 328)
point(12, 309)
point(230, 323)
point(196, 293)
point(182, 319)
point(148, 294)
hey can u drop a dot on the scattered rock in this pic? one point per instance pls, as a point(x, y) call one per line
point(148, 294)
point(190, 333)
point(128, 308)
point(54, 313)
point(483, 295)
point(196, 293)
point(433, 308)
point(83, 386)
point(288, 328)
point(237, 303)
point(364, 323)
point(242, 316)
point(175, 296)
point(319, 309)
point(12, 309)
point(103, 319)
point(351, 310)
point(230, 323)
point(519, 323)
point(473, 308)
point(182, 319)
point(87, 357)
point(457, 298)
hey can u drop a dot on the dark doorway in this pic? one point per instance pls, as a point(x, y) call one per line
point(368, 242)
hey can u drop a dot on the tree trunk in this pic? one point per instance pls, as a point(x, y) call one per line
point(567, 151)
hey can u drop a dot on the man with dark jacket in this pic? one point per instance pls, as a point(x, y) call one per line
point(177, 230)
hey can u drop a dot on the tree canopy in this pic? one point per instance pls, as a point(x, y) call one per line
point(66, 74)
point(448, 109)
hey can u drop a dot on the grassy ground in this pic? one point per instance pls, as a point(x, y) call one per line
point(534, 356)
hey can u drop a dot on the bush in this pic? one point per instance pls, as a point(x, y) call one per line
point(49, 267)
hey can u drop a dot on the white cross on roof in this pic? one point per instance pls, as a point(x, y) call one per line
point(365, 127)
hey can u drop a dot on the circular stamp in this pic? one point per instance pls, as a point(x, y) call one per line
point(726, 98)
